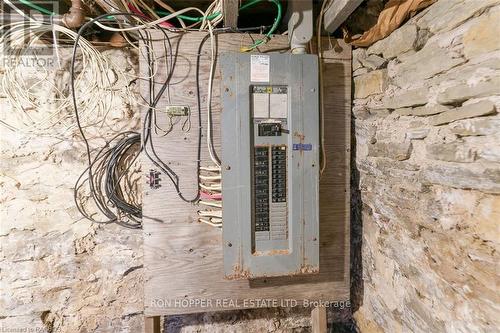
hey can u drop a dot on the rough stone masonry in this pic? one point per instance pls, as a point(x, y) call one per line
point(427, 138)
point(58, 272)
point(427, 153)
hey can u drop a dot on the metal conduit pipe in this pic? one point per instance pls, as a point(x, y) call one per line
point(300, 25)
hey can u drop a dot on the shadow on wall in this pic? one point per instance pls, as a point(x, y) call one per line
point(295, 320)
point(250, 320)
point(357, 287)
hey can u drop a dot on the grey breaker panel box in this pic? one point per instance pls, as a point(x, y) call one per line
point(270, 164)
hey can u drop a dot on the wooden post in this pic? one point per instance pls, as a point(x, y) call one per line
point(318, 319)
point(231, 8)
point(152, 324)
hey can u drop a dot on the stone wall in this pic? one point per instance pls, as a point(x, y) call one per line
point(427, 170)
point(58, 272)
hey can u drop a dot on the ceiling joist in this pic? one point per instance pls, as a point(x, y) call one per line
point(338, 12)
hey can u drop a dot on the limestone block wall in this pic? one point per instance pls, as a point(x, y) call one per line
point(426, 198)
point(427, 172)
point(58, 272)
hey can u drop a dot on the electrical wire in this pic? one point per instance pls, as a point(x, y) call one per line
point(209, 176)
point(321, 84)
point(109, 169)
point(111, 165)
point(148, 144)
point(36, 7)
point(171, 10)
point(148, 24)
point(211, 149)
point(268, 35)
point(94, 176)
point(17, 10)
point(94, 184)
point(48, 112)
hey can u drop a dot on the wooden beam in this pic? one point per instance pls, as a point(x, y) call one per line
point(152, 324)
point(318, 319)
point(230, 8)
point(338, 12)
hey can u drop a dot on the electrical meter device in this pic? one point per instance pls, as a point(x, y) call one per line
point(270, 170)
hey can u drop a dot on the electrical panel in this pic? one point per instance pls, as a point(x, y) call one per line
point(270, 171)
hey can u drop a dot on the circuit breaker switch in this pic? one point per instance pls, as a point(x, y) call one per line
point(269, 129)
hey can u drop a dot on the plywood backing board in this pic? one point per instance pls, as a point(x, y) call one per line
point(183, 258)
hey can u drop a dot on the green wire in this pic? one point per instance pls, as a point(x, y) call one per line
point(245, 6)
point(40, 9)
point(190, 18)
point(198, 19)
point(250, 4)
point(210, 17)
point(273, 28)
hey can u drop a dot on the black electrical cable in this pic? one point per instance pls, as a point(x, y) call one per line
point(198, 93)
point(147, 126)
point(108, 159)
point(113, 189)
point(97, 196)
point(107, 164)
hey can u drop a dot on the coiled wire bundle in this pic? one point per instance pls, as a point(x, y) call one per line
point(49, 111)
point(111, 183)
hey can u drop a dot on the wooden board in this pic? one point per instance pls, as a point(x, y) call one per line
point(183, 259)
point(319, 320)
point(231, 8)
point(338, 12)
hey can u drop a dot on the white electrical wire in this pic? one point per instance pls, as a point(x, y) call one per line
point(210, 168)
point(321, 89)
point(211, 213)
point(211, 204)
point(210, 176)
point(49, 111)
point(214, 7)
point(152, 23)
point(212, 222)
point(95, 69)
point(20, 12)
point(170, 9)
point(211, 149)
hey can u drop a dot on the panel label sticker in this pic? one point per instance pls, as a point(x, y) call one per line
point(259, 68)
point(302, 146)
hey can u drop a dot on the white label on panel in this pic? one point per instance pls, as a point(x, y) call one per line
point(259, 68)
point(260, 105)
point(278, 105)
